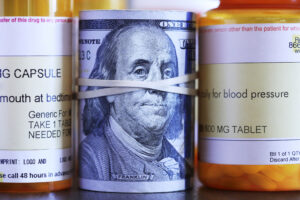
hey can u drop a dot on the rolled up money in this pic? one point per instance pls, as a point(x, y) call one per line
point(136, 100)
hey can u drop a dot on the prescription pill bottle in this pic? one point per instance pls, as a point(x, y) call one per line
point(98, 4)
point(35, 95)
point(249, 95)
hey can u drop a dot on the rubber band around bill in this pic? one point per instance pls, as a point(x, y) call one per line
point(115, 87)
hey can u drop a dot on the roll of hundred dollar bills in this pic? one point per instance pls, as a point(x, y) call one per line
point(136, 100)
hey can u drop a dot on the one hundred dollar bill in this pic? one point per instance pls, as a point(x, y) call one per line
point(140, 140)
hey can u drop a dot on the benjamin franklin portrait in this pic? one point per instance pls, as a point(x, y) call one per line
point(127, 135)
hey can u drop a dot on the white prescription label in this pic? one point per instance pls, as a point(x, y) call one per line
point(35, 99)
point(249, 94)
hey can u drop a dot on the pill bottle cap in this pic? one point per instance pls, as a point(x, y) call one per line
point(260, 4)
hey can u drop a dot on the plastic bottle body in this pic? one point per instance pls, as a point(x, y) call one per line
point(96, 4)
point(35, 8)
point(249, 177)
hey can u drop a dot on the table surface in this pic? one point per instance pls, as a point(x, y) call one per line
point(198, 193)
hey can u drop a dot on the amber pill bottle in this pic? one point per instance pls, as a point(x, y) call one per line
point(249, 95)
point(98, 4)
point(35, 68)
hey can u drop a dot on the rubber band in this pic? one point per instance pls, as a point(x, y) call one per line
point(115, 87)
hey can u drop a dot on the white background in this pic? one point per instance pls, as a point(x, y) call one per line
point(189, 5)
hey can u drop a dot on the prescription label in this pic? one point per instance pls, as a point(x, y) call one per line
point(249, 94)
point(35, 99)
